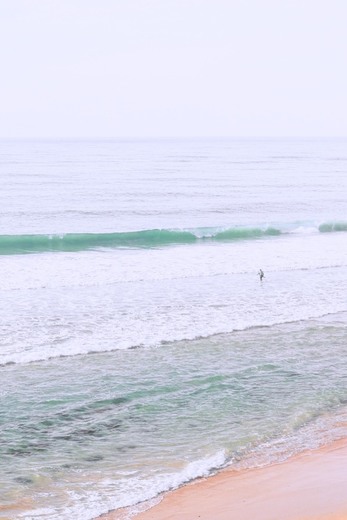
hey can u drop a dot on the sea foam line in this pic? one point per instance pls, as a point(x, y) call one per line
point(33, 356)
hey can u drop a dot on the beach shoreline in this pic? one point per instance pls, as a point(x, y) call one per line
point(309, 486)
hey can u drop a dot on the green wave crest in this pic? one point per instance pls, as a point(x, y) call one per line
point(149, 238)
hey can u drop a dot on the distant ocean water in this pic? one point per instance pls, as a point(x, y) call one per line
point(138, 347)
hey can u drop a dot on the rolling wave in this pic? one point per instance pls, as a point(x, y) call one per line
point(332, 227)
point(151, 238)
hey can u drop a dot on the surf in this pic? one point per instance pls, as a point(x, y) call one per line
point(152, 238)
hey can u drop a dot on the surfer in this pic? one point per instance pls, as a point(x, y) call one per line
point(261, 274)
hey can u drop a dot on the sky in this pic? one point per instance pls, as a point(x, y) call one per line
point(172, 68)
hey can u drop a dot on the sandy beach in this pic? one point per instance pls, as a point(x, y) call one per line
point(310, 486)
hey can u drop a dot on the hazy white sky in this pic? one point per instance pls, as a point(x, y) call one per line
point(143, 68)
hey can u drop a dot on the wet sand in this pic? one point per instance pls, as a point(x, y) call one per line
point(310, 486)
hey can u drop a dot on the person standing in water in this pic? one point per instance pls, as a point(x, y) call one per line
point(261, 274)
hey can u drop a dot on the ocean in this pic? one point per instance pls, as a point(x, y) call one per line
point(139, 349)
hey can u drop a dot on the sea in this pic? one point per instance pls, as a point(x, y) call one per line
point(139, 349)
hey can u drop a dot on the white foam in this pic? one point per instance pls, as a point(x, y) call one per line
point(95, 498)
point(65, 322)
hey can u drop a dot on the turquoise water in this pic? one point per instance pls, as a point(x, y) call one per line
point(21, 244)
point(138, 348)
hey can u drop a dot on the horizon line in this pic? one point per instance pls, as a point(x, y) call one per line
point(173, 137)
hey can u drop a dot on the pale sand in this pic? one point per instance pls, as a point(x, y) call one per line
point(310, 486)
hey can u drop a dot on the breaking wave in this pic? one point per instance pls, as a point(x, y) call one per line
point(151, 238)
